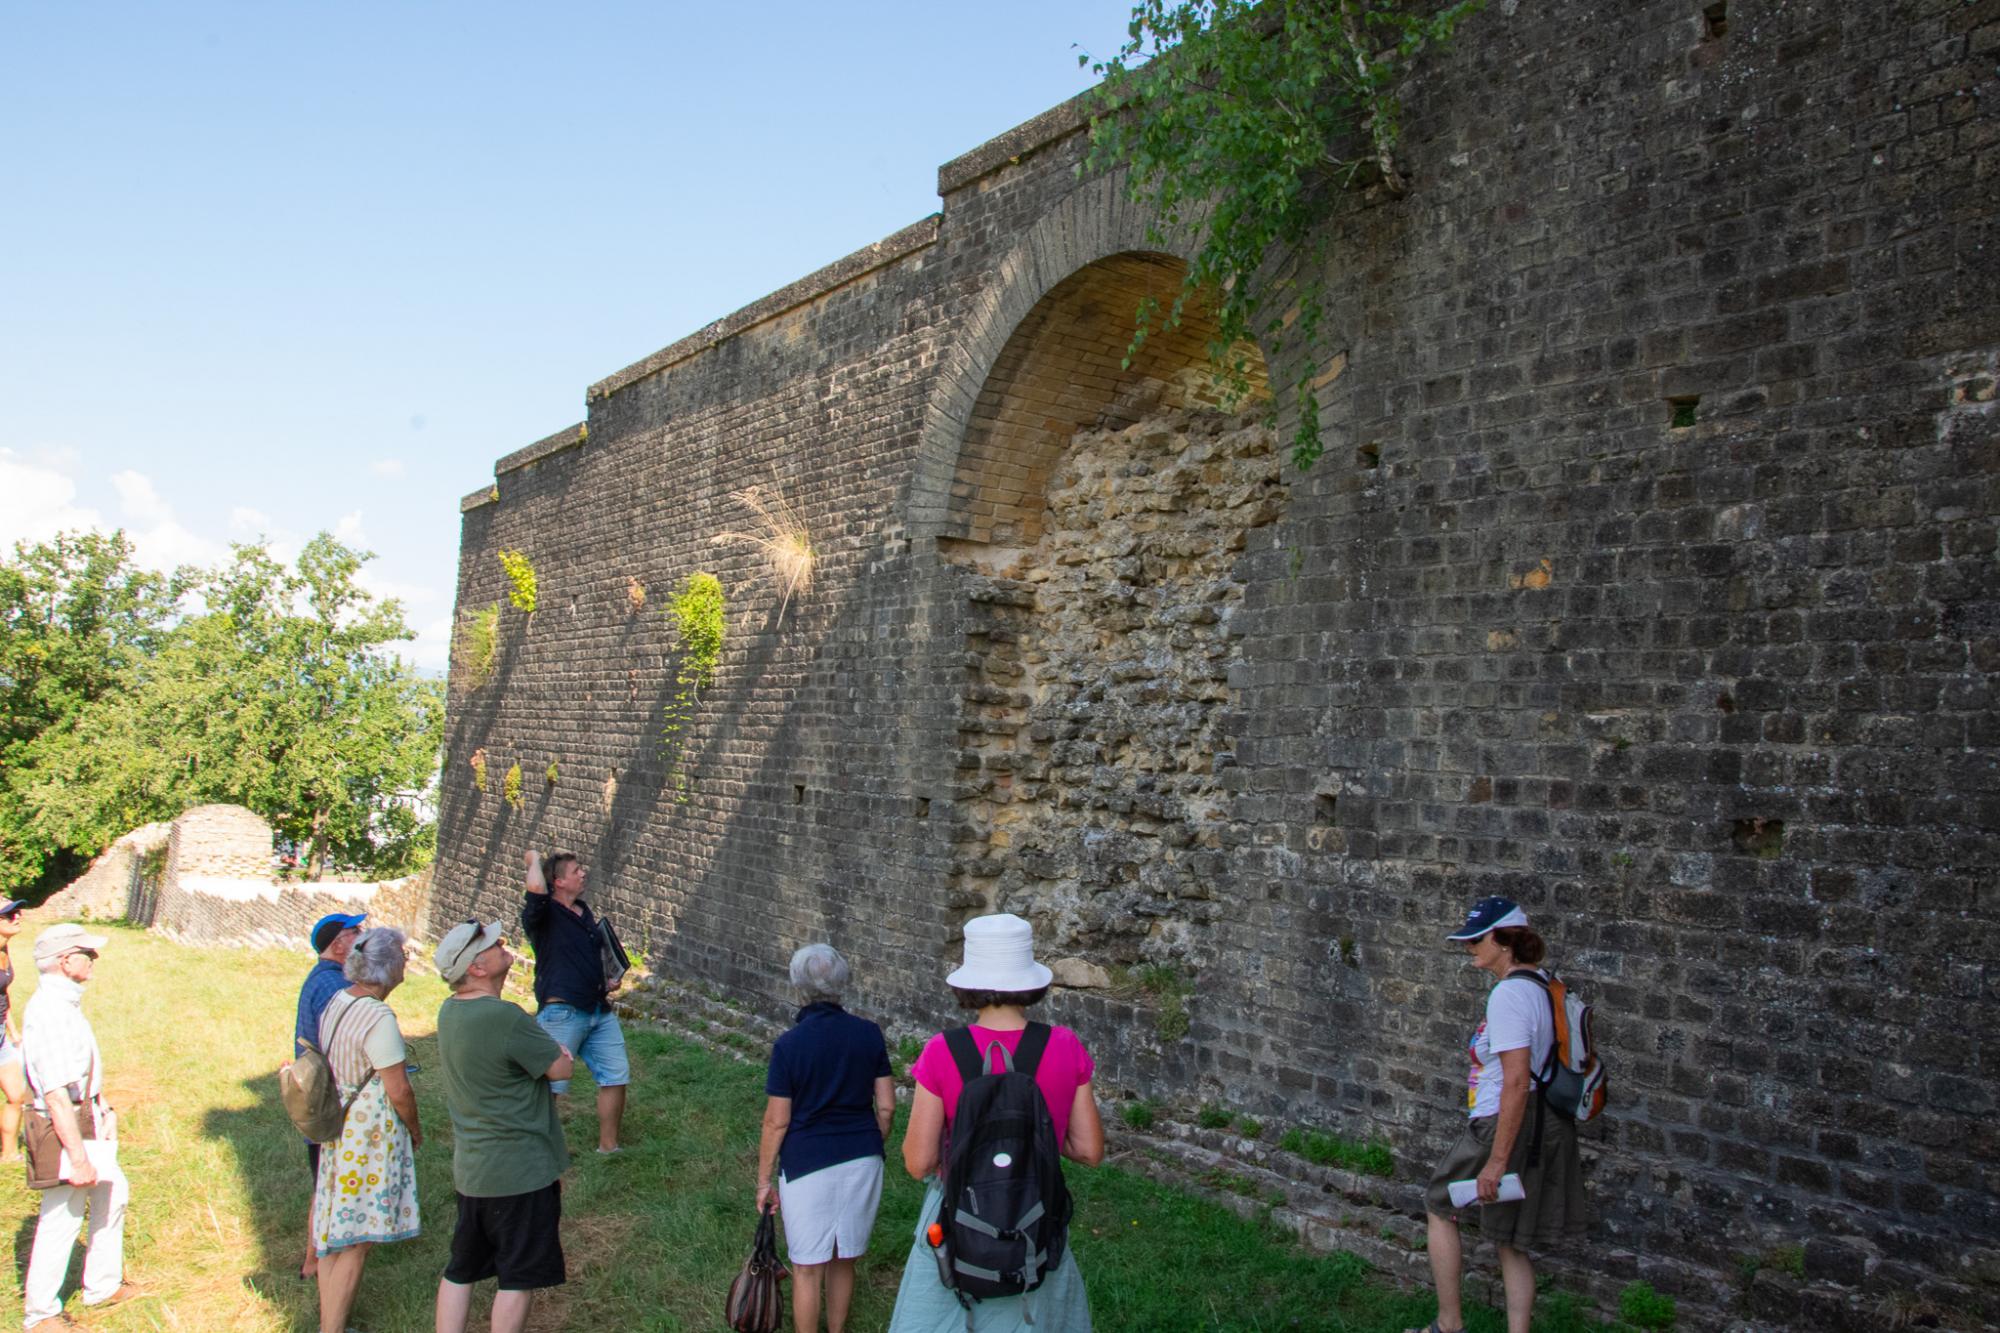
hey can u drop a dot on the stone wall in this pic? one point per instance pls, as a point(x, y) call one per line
point(209, 878)
point(1647, 577)
point(122, 884)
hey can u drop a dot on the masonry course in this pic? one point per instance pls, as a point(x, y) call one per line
point(1648, 577)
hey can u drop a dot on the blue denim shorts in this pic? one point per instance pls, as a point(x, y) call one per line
point(596, 1039)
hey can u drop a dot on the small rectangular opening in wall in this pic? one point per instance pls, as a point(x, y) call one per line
point(1761, 838)
point(798, 793)
point(1683, 410)
point(1715, 21)
point(1326, 807)
point(923, 807)
point(1368, 456)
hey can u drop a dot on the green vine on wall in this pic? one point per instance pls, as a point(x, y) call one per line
point(698, 612)
point(1235, 118)
point(510, 786)
point(477, 646)
point(478, 762)
point(520, 579)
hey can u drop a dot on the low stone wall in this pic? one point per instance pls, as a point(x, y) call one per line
point(122, 884)
point(215, 909)
point(207, 879)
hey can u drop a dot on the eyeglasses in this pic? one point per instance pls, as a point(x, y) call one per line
point(478, 934)
point(12, 913)
point(91, 954)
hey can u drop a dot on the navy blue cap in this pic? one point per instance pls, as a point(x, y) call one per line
point(10, 905)
point(332, 924)
point(1488, 915)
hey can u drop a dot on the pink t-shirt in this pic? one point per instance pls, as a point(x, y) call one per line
point(1065, 1067)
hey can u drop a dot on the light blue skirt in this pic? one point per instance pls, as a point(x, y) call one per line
point(924, 1305)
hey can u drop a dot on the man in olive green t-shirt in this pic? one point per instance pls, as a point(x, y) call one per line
point(508, 1153)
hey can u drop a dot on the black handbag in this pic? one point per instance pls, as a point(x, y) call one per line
point(754, 1304)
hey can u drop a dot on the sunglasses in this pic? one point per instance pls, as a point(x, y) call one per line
point(478, 933)
point(11, 914)
point(91, 954)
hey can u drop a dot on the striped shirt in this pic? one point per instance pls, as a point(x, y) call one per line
point(56, 1039)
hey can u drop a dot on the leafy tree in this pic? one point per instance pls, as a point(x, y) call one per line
point(77, 617)
point(277, 695)
point(1235, 118)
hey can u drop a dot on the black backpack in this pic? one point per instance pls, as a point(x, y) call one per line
point(1004, 1222)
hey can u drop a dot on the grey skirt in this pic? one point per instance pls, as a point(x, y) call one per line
point(1554, 1208)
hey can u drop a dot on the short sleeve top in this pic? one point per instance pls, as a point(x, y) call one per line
point(1066, 1066)
point(495, 1058)
point(1517, 1016)
point(368, 1037)
point(827, 1064)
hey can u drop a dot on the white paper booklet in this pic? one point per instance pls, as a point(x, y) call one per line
point(1466, 1192)
point(103, 1154)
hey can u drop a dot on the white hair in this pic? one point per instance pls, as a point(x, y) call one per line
point(376, 957)
point(819, 973)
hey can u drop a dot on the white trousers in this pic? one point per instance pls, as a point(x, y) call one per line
point(55, 1239)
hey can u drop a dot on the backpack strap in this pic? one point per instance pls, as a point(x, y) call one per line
point(1028, 1055)
point(964, 1053)
point(1541, 1080)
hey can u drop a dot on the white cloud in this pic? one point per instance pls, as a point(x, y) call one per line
point(431, 652)
point(347, 531)
point(38, 499)
point(158, 538)
point(387, 467)
point(137, 499)
point(248, 522)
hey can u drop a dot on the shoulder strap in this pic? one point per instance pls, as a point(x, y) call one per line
point(964, 1053)
point(1542, 1077)
point(1028, 1055)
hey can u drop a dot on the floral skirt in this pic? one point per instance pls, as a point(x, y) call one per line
point(367, 1187)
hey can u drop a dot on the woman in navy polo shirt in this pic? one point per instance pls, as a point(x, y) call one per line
point(831, 1103)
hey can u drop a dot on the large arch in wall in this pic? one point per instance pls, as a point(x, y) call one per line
point(1042, 356)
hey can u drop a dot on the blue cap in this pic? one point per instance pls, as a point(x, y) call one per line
point(1488, 915)
point(332, 924)
point(10, 904)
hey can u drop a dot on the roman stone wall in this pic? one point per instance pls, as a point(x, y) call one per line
point(208, 878)
point(1648, 578)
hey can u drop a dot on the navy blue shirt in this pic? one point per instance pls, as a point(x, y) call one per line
point(569, 964)
point(828, 1065)
point(325, 981)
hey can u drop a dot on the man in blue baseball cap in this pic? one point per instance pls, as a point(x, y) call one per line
point(332, 936)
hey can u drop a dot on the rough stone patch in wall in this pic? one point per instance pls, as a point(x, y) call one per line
point(1093, 722)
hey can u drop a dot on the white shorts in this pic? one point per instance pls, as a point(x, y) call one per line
point(829, 1213)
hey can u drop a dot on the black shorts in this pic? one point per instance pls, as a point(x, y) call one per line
point(514, 1237)
point(312, 1159)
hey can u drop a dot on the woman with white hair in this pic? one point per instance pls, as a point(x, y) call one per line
point(830, 1102)
point(366, 1194)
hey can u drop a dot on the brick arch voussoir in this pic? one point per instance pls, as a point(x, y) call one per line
point(1092, 222)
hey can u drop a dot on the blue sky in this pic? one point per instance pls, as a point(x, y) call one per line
point(271, 269)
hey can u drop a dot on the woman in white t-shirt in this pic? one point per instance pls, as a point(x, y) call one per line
point(1503, 1131)
point(366, 1194)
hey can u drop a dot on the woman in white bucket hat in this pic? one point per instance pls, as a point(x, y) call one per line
point(999, 980)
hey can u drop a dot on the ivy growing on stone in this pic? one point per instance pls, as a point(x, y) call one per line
point(477, 646)
point(521, 580)
point(478, 762)
point(510, 786)
point(698, 612)
point(1234, 120)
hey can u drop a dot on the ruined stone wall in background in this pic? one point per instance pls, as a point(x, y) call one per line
point(209, 877)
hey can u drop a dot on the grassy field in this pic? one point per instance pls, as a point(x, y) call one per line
point(191, 1038)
